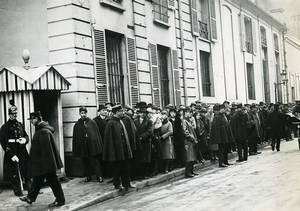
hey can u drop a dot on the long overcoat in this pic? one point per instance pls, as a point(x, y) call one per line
point(145, 133)
point(167, 147)
point(116, 141)
point(44, 156)
point(220, 130)
point(14, 130)
point(276, 122)
point(254, 128)
point(86, 139)
point(132, 132)
point(190, 139)
point(101, 124)
point(239, 126)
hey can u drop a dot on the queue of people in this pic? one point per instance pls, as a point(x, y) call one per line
point(125, 143)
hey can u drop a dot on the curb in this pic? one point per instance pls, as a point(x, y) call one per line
point(171, 176)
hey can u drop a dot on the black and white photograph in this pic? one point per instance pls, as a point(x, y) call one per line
point(150, 105)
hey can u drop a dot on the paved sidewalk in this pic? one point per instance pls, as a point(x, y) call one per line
point(80, 195)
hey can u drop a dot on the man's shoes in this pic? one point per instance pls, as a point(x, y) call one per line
point(18, 193)
point(88, 179)
point(238, 161)
point(273, 148)
point(228, 164)
point(258, 152)
point(57, 204)
point(223, 165)
point(130, 187)
point(100, 180)
point(278, 150)
point(25, 199)
point(189, 176)
point(195, 174)
point(252, 153)
point(119, 187)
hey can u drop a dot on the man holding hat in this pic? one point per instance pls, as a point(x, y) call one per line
point(117, 149)
point(14, 139)
point(44, 161)
point(88, 145)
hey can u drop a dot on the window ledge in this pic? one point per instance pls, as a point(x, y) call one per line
point(112, 5)
point(161, 23)
point(204, 39)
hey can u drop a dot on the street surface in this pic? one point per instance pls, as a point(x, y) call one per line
point(269, 181)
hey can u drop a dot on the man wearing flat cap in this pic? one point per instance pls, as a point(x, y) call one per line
point(14, 139)
point(88, 145)
point(44, 161)
point(117, 149)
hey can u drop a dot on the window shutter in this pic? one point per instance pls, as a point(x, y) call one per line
point(194, 17)
point(154, 74)
point(213, 22)
point(176, 78)
point(243, 35)
point(100, 64)
point(254, 37)
point(132, 66)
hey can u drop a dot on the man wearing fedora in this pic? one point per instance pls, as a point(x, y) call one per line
point(44, 161)
point(14, 139)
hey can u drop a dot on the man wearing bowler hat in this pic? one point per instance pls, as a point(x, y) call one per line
point(44, 160)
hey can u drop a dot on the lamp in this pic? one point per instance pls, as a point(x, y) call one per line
point(26, 57)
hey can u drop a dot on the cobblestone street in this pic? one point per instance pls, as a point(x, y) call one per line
point(269, 181)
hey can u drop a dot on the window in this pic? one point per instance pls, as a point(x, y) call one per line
point(204, 19)
point(263, 37)
point(206, 75)
point(278, 78)
point(164, 74)
point(266, 75)
point(250, 80)
point(161, 10)
point(276, 44)
point(248, 35)
point(113, 4)
point(114, 67)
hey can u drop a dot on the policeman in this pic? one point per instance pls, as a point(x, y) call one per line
point(14, 139)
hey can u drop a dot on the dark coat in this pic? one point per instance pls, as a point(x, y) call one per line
point(190, 139)
point(178, 139)
point(145, 133)
point(132, 132)
point(239, 126)
point(116, 141)
point(44, 156)
point(220, 130)
point(86, 139)
point(101, 124)
point(254, 127)
point(14, 130)
point(276, 122)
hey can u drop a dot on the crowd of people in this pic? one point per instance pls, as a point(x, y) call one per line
point(125, 143)
point(128, 143)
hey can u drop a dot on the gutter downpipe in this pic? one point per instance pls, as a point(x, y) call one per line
point(285, 66)
point(182, 55)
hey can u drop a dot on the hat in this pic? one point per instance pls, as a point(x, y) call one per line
point(13, 110)
point(239, 105)
point(246, 104)
point(164, 112)
point(297, 101)
point(261, 104)
point(198, 102)
point(193, 104)
point(34, 115)
point(173, 108)
point(82, 109)
point(198, 107)
point(108, 103)
point(116, 108)
point(216, 107)
point(253, 105)
point(126, 106)
point(226, 102)
point(203, 110)
point(101, 106)
point(187, 109)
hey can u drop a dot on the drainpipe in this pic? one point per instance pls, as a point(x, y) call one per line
point(285, 66)
point(182, 54)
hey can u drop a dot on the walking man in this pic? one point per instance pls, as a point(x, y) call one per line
point(277, 123)
point(44, 160)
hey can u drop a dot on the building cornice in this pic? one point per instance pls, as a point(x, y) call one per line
point(292, 42)
point(259, 12)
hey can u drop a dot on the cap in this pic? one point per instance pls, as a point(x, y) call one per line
point(13, 110)
point(116, 108)
point(82, 109)
point(34, 115)
point(101, 106)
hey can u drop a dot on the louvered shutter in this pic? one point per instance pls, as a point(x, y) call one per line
point(132, 66)
point(154, 74)
point(194, 17)
point(176, 78)
point(213, 22)
point(243, 34)
point(254, 37)
point(100, 63)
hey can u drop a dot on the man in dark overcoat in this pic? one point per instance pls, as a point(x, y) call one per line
point(144, 128)
point(101, 120)
point(14, 139)
point(117, 149)
point(44, 161)
point(239, 126)
point(221, 134)
point(277, 123)
point(88, 145)
point(254, 130)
